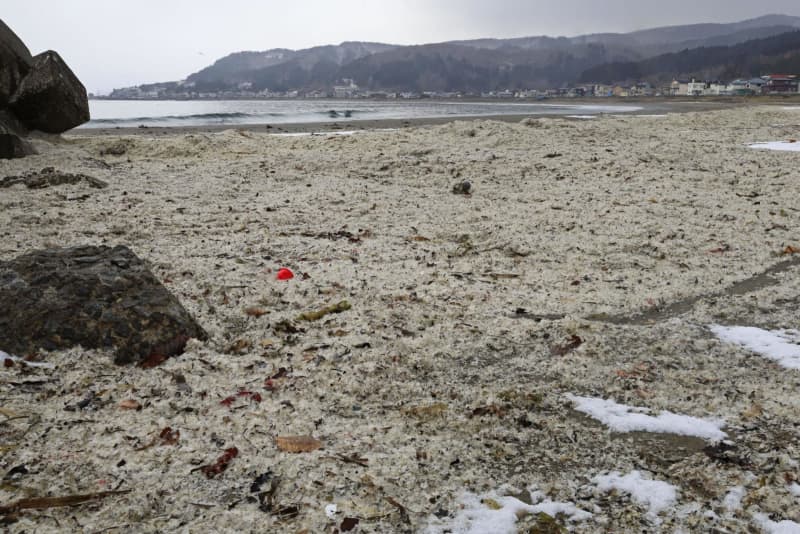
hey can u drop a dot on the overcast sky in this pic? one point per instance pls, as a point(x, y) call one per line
point(111, 43)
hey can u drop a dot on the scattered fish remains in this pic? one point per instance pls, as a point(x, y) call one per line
point(478, 326)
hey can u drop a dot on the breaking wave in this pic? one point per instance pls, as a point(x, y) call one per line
point(237, 117)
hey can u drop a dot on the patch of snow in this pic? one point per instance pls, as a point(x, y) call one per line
point(733, 499)
point(5, 356)
point(582, 117)
point(499, 515)
point(314, 134)
point(784, 146)
point(333, 132)
point(779, 345)
point(330, 511)
point(773, 527)
point(643, 115)
point(655, 494)
point(622, 418)
point(794, 489)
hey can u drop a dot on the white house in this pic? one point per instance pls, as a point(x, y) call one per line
point(348, 90)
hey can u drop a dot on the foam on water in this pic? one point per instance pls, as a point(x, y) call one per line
point(159, 113)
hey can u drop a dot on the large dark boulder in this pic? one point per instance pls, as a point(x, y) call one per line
point(15, 62)
point(12, 142)
point(94, 297)
point(50, 98)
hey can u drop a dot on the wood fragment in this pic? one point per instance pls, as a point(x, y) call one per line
point(562, 350)
point(256, 311)
point(43, 503)
point(212, 470)
point(400, 508)
point(297, 444)
point(351, 459)
point(427, 412)
point(130, 404)
point(502, 276)
point(317, 315)
point(8, 413)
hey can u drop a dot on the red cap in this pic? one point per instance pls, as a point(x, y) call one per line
point(285, 274)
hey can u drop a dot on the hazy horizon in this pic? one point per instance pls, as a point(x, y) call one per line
point(111, 45)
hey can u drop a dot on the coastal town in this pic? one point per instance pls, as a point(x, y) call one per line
point(771, 84)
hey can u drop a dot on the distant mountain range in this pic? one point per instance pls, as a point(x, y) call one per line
point(779, 54)
point(498, 64)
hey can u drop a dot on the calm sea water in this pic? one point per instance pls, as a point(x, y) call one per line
point(126, 113)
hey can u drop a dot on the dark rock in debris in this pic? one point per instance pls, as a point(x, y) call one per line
point(463, 188)
point(13, 146)
point(94, 297)
point(49, 177)
point(12, 142)
point(15, 62)
point(119, 148)
point(50, 98)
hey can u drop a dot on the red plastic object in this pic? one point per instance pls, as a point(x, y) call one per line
point(285, 274)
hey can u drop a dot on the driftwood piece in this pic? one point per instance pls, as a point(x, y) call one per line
point(43, 503)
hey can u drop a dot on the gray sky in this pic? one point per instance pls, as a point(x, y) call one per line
point(111, 43)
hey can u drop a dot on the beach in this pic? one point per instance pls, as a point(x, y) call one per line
point(592, 262)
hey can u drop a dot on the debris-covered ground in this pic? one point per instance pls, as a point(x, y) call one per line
point(550, 346)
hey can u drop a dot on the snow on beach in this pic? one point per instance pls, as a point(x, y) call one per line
point(733, 499)
point(655, 495)
point(776, 527)
point(500, 514)
point(782, 346)
point(7, 360)
point(781, 146)
point(622, 418)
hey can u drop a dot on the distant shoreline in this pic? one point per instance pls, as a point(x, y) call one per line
point(761, 99)
point(653, 106)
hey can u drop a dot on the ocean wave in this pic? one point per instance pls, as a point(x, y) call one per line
point(170, 118)
point(237, 117)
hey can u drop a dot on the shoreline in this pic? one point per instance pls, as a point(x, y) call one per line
point(322, 127)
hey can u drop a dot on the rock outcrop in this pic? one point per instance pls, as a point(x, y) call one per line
point(36, 93)
point(12, 142)
point(95, 297)
point(50, 98)
point(15, 62)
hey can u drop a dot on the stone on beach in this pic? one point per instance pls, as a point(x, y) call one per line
point(50, 98)
point(15, 62)
point(96, 297)
point(12, 145)
point(36, 93)
point(49, 177)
